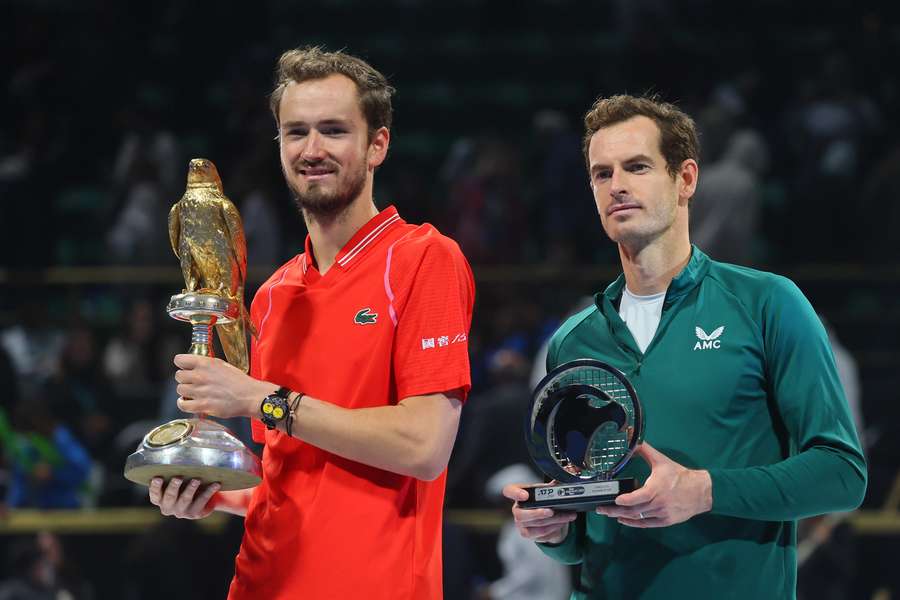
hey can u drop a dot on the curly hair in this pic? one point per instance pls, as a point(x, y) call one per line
point(313, 62)
point(678, 140)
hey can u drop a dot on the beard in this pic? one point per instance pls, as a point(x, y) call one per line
point(322, 203)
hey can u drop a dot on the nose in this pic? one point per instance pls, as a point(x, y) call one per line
point(314, 149)
point(617, 184)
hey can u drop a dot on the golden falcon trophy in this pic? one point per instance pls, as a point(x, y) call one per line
point(208, 238)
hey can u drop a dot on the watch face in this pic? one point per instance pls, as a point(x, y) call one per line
point(274, 408)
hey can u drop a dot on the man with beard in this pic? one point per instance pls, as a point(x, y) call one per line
point(749, 426)
point(359, 370)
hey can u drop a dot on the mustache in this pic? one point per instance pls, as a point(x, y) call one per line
point(303, 163)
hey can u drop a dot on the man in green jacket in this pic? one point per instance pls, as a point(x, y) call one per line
point(747, 426)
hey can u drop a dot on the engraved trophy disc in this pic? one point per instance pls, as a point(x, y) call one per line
point(582, 427)
point(208, 238)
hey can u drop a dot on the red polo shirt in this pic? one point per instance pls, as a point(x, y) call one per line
point(389, 320)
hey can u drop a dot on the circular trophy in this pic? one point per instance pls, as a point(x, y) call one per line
point(582, 428)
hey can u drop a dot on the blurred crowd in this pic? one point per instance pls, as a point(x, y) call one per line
point(104, 105)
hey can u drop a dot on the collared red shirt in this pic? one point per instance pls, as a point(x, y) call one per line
point(389, 320)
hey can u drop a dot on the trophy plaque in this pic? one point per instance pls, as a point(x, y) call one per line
point(208, 238)
point(582, 427)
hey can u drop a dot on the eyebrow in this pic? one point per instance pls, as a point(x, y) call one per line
point(628, 161)
point(322, 123)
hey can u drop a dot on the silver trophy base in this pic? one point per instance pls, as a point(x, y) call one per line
point(194, 449)
point(577, 497)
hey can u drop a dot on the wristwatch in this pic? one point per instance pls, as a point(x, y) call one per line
point(274, 408)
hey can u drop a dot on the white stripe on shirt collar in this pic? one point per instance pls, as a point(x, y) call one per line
point(367, 240)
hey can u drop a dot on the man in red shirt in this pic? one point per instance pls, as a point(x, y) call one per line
point(365, 336)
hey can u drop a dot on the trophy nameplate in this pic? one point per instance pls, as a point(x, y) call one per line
point(582, 427)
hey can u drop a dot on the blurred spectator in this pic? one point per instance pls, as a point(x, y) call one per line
point(82, 398)
point(33, 345)
point(880, 210)
point(48, 465)
point(836, 119)
point(539, 364)
point(567, 216)
point(848, 371)
point(147, 147)
point(32, 577)
point(716, 124)
point(139, 234)
point(528, 574)
point(826, 546)
point(487, 214)
point(256, 187)
point(41, 572)
point(129, 360)
point(828, 128)
point(726, 206)
point(490, 433)
point(37, 146)
point(9, 398)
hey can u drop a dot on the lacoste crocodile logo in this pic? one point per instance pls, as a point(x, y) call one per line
point(364, 317)
point(706, 341)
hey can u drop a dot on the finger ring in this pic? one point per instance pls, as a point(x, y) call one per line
point(640, 515)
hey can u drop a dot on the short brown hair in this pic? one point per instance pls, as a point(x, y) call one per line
point(313, 62)
point(677, 131)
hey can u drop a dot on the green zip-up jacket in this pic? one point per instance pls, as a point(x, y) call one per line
point(739, 380)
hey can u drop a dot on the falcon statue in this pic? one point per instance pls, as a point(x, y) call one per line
point(208, 238)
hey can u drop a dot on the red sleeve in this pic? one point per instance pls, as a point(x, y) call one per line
point(434, 312)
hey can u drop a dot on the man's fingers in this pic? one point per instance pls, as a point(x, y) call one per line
point(189, 361)
point(643, 523)
point(628, 512)
point(187, 390)
point(186, 497)
point(527, 515)
point(515, 491)
point(200, 502)
point(651, 454)
point(643, 495)
point(539, 532)
point(187, 405)
point(556, 520)
point(171, 493)
point(182, 376)
point(170, 496)
point(155, 490)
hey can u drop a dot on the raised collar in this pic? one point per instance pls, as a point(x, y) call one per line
point(361, 241)
point(691, 275)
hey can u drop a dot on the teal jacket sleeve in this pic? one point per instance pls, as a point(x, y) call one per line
point(825, 470)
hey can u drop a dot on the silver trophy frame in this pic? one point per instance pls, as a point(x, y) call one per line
point(583, 425)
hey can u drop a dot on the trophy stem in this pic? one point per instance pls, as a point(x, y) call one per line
point(201, 335)
point(201, 338)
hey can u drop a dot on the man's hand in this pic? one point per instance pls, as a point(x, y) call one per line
point(214, 387)
point(672, 494)
point(182, 500)
point(538, 524)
